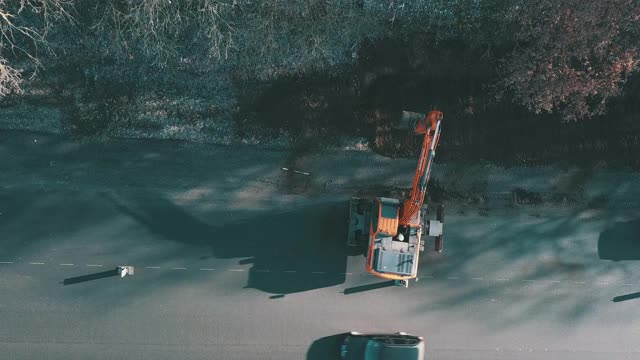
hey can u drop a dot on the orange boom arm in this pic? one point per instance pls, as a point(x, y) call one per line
point(430, 127)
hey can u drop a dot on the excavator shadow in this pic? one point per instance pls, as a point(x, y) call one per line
point(289, 251)
point(369, 287)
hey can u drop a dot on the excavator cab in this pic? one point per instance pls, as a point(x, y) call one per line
point(392, 250)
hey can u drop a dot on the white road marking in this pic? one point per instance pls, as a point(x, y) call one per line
point(295, 171)
point(343, 273)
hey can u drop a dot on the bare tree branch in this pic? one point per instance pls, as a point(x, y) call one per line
point(9, 79)
point(17, 38)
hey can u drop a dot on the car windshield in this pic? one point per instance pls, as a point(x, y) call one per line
point(377, 350)
point(397, 340)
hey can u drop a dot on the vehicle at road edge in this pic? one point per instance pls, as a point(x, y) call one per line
point(396, 346)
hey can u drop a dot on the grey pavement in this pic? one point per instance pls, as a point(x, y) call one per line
point(237, 258)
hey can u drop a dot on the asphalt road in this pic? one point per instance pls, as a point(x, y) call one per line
point(237, 258)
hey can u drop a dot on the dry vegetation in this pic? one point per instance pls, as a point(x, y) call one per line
point(567, 58)
point(572, 56)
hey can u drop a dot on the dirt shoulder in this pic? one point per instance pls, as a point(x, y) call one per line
point(38, 160)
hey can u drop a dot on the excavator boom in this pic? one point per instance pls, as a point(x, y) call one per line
point(430, 127)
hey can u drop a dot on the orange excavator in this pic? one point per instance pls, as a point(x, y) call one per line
point(391, 231)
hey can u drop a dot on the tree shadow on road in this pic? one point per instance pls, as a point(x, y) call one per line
point(534, 255)
point(165, 219)
point(621, 241)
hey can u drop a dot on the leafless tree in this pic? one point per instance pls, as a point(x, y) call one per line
point(23, 38)
point(162, 27)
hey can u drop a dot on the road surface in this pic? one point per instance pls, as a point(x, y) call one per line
point(237, 258)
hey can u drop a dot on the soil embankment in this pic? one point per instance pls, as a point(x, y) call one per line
point(353, 109)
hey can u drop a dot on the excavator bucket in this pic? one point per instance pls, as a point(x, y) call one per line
point(409, 120)
point(420, 123)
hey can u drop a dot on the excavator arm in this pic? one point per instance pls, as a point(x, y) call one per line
point(430, 127)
